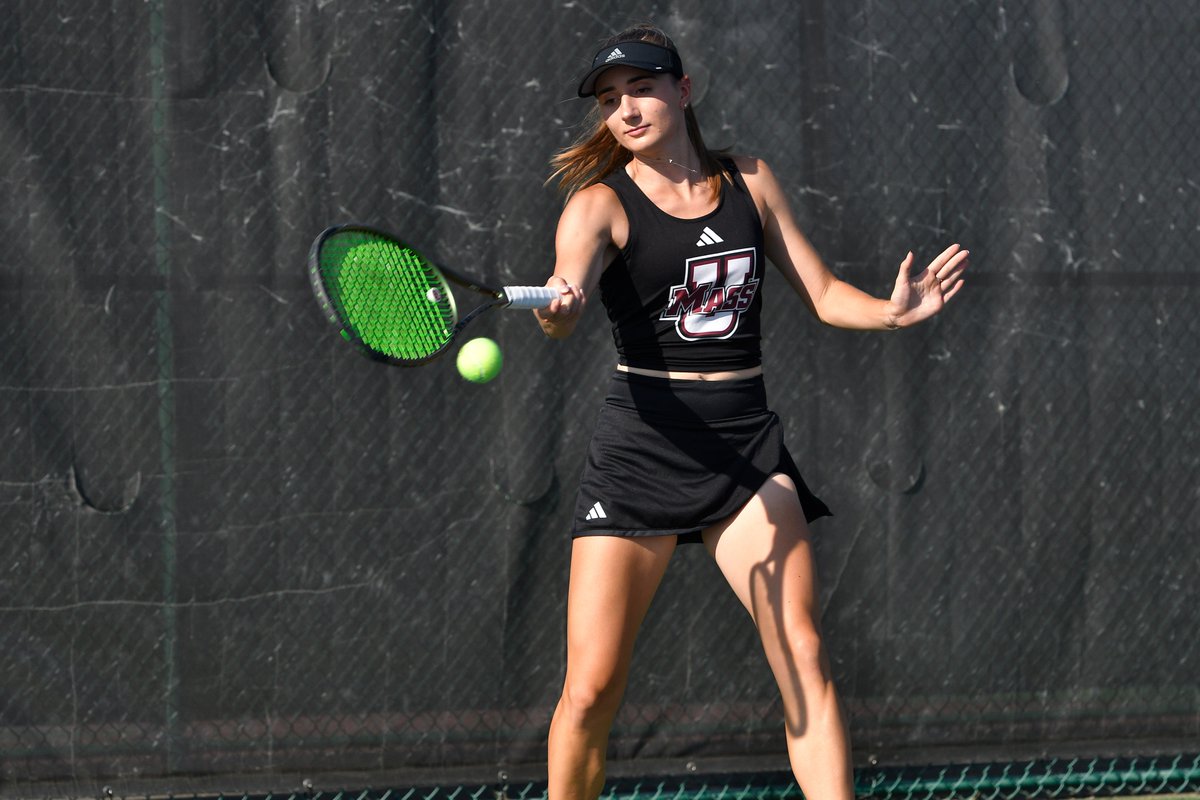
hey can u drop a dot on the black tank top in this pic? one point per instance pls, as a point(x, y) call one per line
point(685, 294)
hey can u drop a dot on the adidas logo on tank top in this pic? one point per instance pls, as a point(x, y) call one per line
point(707, 237)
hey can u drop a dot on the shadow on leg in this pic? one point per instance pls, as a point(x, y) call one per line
point(765, 553)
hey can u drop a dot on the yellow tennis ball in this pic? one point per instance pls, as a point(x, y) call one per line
point(479, 360)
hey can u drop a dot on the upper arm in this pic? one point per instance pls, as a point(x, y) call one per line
point(585, 241)
point(786, 245)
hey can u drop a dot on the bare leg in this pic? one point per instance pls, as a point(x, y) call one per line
point(765, 552)
point(613, 580)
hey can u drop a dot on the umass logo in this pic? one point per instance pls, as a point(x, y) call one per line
point(715, 292)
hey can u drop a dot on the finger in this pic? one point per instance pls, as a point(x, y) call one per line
point(954, 266)
point(948, 276)
point(943, 258)
point(948, 280)
point(953, 271)
point(572, 299)
point(906, 266)
point(954, 287)
point(570, 302)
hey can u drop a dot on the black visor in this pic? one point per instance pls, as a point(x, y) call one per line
point(642, 55)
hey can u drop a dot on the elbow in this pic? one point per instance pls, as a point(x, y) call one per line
point(823, 304)
point(819, 311)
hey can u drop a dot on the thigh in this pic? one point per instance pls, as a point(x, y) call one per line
point(613, 580)
point(765, 553)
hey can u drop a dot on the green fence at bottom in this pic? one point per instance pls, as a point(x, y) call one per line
point(1177, 775)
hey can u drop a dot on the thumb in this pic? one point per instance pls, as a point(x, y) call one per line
point(904, 276)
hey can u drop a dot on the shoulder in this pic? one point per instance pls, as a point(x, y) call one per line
point(593, 214)
point(598, 203)
point(760, 181)
point(754, 170)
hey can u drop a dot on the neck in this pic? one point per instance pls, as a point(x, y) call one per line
point(672, 162)
point(688, 166)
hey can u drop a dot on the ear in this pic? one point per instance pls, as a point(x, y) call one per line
point(685, 91)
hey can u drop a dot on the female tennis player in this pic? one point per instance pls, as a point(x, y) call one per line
point(676, 238)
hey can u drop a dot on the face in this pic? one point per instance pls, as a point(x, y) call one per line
point(643, 110)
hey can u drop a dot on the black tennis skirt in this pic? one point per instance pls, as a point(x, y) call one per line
point(672, 457)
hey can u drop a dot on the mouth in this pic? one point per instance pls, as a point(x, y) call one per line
point(638, 131)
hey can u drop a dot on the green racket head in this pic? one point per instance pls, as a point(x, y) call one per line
point(383, 294)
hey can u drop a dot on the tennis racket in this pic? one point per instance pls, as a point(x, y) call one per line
point(391, 302)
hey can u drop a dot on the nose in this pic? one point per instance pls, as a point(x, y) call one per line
point(629, 109)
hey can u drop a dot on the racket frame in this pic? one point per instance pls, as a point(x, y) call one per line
point(496, 298)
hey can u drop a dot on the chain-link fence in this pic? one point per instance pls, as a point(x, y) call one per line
point(235, 553)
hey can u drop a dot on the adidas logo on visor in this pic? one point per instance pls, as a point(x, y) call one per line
point(614, 55)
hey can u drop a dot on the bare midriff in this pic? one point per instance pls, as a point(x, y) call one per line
point(675, 375)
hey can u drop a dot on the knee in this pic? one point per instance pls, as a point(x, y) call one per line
point(587, 701)
point(806, 651)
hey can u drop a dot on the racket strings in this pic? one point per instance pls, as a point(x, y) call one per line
point(390, 297)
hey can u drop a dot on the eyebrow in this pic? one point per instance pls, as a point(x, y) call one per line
point(634, 79)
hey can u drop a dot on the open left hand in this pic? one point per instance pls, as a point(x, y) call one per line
point(920, 296)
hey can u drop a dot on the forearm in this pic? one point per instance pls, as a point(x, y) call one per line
point(843, 305)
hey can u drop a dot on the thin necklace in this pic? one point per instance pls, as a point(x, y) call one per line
point(672, 162)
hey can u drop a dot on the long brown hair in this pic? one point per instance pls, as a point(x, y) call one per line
point(596, 153)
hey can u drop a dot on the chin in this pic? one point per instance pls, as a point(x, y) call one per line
point(640, 146)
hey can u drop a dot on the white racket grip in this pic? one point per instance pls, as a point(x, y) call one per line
point(530, 296)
